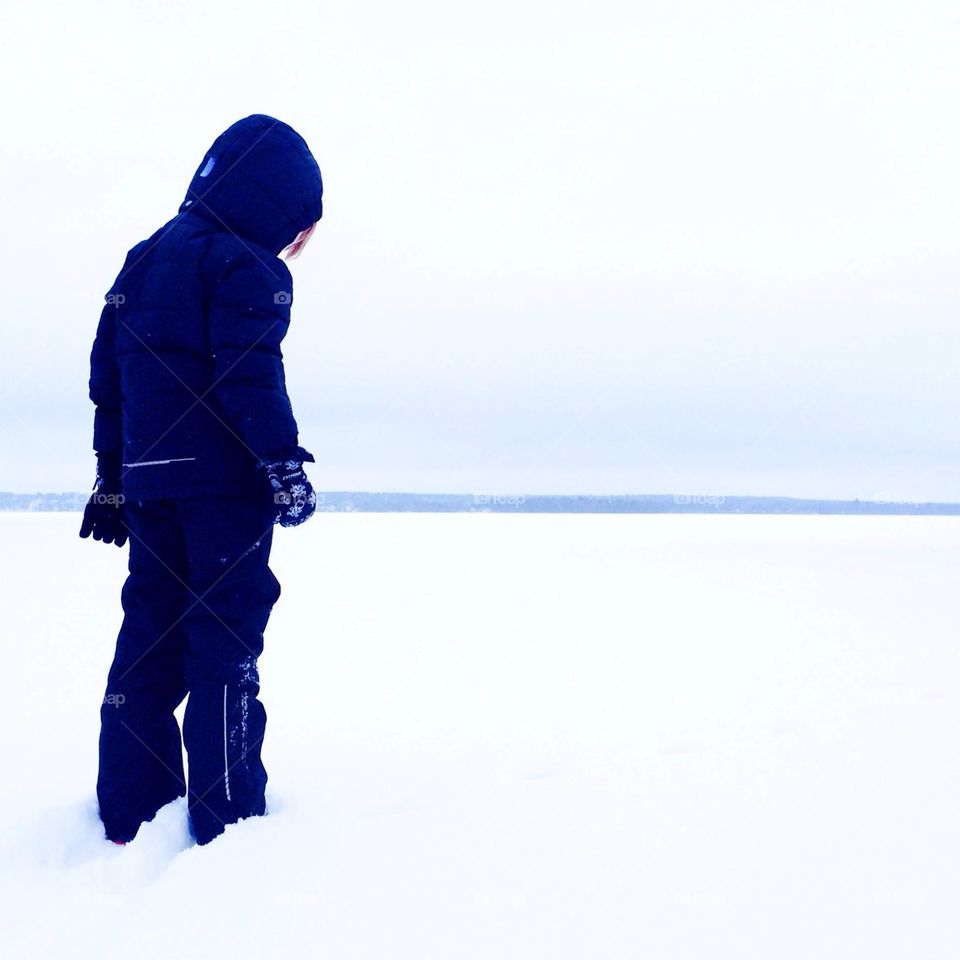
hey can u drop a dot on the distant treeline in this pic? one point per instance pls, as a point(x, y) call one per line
point(544, 503)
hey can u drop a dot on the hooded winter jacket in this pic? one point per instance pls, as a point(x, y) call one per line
point(186, 371)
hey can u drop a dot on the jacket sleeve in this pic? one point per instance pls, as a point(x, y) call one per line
point(105, 386)
point(248, 317)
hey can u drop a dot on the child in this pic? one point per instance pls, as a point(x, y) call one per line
point(197, 457)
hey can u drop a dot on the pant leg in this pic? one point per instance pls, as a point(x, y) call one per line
point(141, 761)
point(228, 543)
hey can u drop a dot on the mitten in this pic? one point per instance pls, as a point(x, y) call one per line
point(293, 495)
point(104, 516)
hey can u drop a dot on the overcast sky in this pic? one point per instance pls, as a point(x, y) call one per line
point(651, 247)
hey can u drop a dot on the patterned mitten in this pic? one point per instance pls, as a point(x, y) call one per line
point(293, 493)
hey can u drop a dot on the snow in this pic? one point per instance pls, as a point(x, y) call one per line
point(522, 736)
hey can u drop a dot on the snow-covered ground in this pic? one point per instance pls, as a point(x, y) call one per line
point(522, 736)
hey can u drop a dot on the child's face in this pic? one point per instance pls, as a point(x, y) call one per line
point(292, 251)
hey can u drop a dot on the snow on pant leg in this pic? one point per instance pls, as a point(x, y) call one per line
point(228, 547)
point(141, 757)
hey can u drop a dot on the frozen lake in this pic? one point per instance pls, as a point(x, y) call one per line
point(521, 736)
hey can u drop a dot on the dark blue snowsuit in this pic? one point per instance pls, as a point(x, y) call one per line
point(187, 378)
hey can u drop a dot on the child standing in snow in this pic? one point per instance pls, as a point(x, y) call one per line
point(197, 458)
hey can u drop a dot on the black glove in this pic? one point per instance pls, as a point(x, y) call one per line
point(103, 515)
point(293, 494)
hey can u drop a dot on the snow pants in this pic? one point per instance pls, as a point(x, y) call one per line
point(195, 604)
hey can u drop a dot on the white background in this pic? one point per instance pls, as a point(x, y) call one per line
point(522, 737)
point(644, 247)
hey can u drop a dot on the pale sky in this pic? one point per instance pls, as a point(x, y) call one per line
point(672, 247)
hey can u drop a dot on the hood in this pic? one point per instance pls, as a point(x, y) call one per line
point(260, 181)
